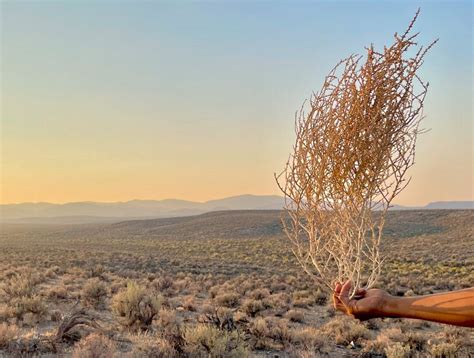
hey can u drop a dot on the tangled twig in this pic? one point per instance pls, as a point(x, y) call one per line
point(353, 150)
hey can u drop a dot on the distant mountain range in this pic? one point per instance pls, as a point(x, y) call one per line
point(90, 212)
point(134, 209)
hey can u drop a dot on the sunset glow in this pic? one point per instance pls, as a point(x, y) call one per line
point(113, 102)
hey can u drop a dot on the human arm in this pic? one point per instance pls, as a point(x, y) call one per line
point(456, 307)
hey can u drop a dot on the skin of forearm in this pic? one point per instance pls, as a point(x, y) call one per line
point(451, 307)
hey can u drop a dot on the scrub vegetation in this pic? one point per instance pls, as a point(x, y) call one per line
point(222, 284)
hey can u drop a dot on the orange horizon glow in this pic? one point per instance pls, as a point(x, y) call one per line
point(117, 110)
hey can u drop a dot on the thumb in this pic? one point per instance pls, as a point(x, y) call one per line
point(345, 292)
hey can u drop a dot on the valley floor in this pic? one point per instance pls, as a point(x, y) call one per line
point(219, 284)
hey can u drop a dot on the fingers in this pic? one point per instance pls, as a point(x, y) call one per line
point(338, 305)
point(345, 292)
point(341, 297)
point(335, 297)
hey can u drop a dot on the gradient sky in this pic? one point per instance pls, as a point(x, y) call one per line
point(112, 101)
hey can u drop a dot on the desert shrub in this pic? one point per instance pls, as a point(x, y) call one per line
point(116, 286)
point(230, 299)
point(280, 301)
point(94, 346)
point(206, 340)
point(145, 345)
point(24, 305)
point(393, 334)
point(279, 330)
point(455, 335)
point(398, 350)
point(167, 320)
point(181, 275)
point(295, 315)
point(135, 308)
point(52, 272)
point(269, 333)
point(373, 324)
point(188, 304)
point(259, 330)
point(55, 316)
point(413, 325)
point(252, 307)
point(8, 273)
point(299, 353)
point(29, 344)
point(94, 292)
point(182, 285)
point(19, 286)
point(57, 293)
point(169, 327)
point(416, 341)
point(173, 302)
point(151, 277)
point(222, 318)
point(97, 271)
point(207, 308)
point(72, 273)
point(7, 334)
point(214, 291)
point(6, 312)
point(278, 286)
point(444, 350)
point(246, 285)
point(344, 330)
point(291, 280)
point(259, 293)
point(241, 317)
point(320, 297)
point(303, 299)
point(309, 338)
point(376, 346)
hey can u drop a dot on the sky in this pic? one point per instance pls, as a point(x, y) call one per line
point(113, 100)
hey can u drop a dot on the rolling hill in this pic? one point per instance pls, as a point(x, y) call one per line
point(95, 212)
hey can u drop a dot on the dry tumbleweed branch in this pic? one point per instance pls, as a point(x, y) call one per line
point(77, 318)
point(353, 149)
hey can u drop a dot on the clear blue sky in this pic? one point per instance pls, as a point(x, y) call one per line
point(112, 100)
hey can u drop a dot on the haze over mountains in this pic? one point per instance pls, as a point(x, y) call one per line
point(134, 209)
point(90, 212)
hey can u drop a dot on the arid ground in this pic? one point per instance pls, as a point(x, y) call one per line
point(222, 284)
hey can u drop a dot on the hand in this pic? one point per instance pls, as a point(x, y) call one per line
point(366, 304)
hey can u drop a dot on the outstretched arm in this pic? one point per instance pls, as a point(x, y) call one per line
point(456, 307)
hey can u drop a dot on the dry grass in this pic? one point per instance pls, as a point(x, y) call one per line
point(201, 282)
point(94, 346)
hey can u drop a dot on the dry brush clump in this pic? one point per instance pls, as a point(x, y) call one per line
point(94, 292)
point(206, 340)
point(345, 330)
point(95, 345)
point(353, 149)
point(147, 345)
point(8, 332)
point(136, 308)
